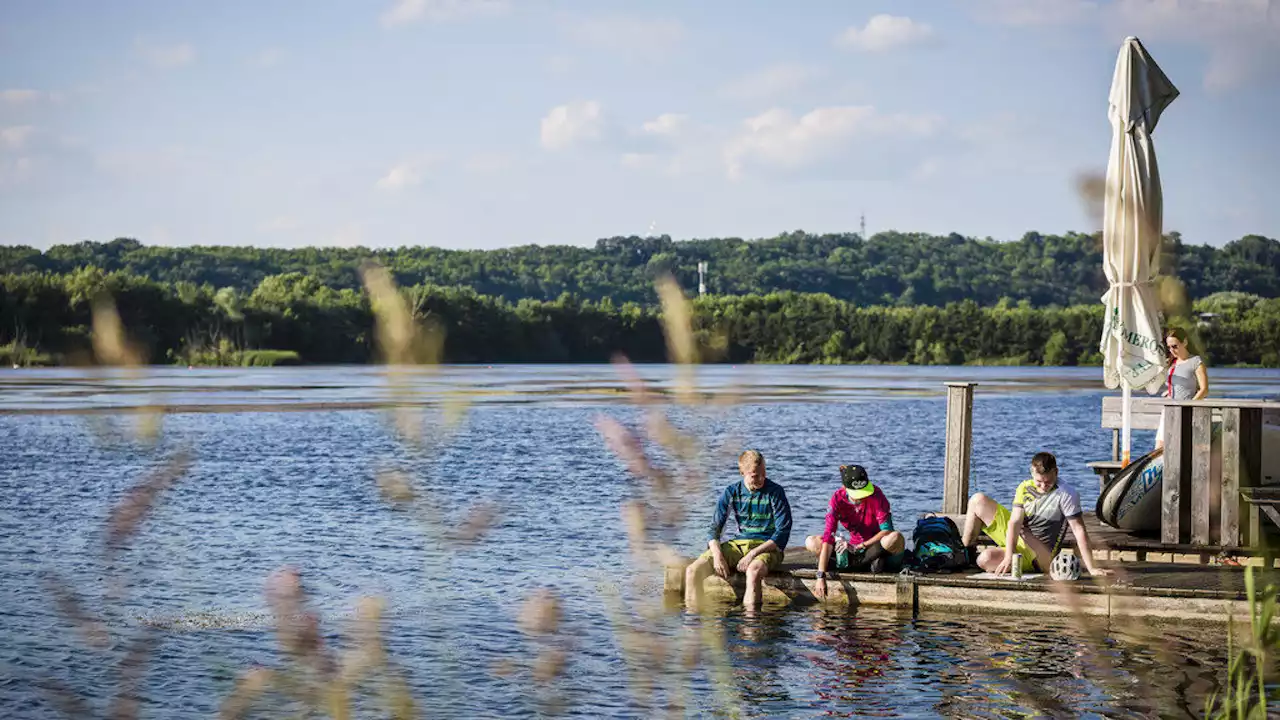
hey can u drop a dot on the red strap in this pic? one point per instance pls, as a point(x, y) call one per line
point(1169, 384)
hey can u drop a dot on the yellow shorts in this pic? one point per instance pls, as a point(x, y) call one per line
point(735, 550)
point(998, 530)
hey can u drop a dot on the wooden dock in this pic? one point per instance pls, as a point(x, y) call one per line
point(1150, 591)
point(1191, 571)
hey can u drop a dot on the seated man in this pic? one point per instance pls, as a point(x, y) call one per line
point(1042, 507)
point(863, 509)
point(763, 515)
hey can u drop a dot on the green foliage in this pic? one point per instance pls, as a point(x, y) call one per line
point(1246, 695)
point(269, 358)
point(295, 318)
point(890, 268)
point(16, 354)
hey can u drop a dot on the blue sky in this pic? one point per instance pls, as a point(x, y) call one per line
point(492, 123)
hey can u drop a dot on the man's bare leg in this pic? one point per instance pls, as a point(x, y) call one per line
point(982, 511)
point(698, 571)
point(757, 571)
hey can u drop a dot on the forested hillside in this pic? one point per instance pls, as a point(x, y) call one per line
point(46, 318)
point(888, 269)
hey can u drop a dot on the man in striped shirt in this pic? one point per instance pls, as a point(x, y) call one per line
point(763, 515)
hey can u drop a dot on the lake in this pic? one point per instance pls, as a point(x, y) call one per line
point(284, 472)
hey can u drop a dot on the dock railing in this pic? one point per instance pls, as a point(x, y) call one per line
point(1192, 484)
point(1189, 483)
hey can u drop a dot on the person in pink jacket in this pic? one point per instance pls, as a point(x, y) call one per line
point(863, 510)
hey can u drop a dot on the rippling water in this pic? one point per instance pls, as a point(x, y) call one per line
point(284, 474)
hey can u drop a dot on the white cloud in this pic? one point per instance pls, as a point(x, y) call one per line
point(666, 125)
point(885, 32)
point(780, 140)
point(404, 175)
point(167, 56)
point(20, 96)
point(13, 172)
point(1242, 37)
point(268, 58)
point(581, 121)
point(405, 12)
point(15, 137)
point(771, 82)
point(628, 33)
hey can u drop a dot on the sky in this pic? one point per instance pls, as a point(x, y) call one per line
point(497, 123)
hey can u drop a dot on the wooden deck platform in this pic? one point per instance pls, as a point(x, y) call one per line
point(1151, 591)
point(1112, 544)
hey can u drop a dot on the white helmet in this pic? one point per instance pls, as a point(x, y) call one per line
point(1066, 566)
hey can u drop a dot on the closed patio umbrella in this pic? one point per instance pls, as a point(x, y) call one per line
point(1131, 346)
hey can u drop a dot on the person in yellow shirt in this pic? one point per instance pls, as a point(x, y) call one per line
point(1043, 509)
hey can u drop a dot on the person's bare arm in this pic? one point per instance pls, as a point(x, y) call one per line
point(718, 562)
point(1082, 545)
point(762, 548)
point(820, 587)
point(1202, 377)
point(1011, 539)
point(872, 540)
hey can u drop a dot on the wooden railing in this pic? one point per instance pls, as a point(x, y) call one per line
point(1188, 486)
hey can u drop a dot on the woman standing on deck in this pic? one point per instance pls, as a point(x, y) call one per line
point(1188, 378)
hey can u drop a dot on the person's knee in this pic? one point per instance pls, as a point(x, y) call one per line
point(695, 567)
point(979, 500)
point(813, 543)
point(990, 558)
point(756, 570)
point(893, 542)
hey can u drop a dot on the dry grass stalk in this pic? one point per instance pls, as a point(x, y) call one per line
point(112, 346)
point(127, 515)
point(475, 526)
point(250, 686)
point(540, 614)
point(410, 349)
point(92, 630)
point(126, 705)
point(65, 700)
point(677, 327)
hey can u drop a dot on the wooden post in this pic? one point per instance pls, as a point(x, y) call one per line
point(1229, 534)
point(1200, 446)
point(1171, 483)
point(955, 483)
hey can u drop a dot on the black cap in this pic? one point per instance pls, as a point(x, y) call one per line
point(854, 477)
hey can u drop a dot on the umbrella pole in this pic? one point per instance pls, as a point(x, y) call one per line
point(1126, 423)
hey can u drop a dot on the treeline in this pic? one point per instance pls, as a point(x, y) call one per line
point(46, 317)
point(888, 269)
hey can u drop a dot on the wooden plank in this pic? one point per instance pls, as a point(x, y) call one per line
point(1263, 405)
point(1251, 447)
point(1255, 527)
point(1271, 512)
point(959, 445)
point(1171, 485)
point(1200, 446)
point(1229, 524)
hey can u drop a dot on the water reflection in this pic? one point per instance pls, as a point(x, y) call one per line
point(818, 662)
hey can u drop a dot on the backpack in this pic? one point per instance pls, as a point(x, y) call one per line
point(938, 545)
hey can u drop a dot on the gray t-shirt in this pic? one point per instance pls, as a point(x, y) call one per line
point(1047, 513)
point(1183, 378)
